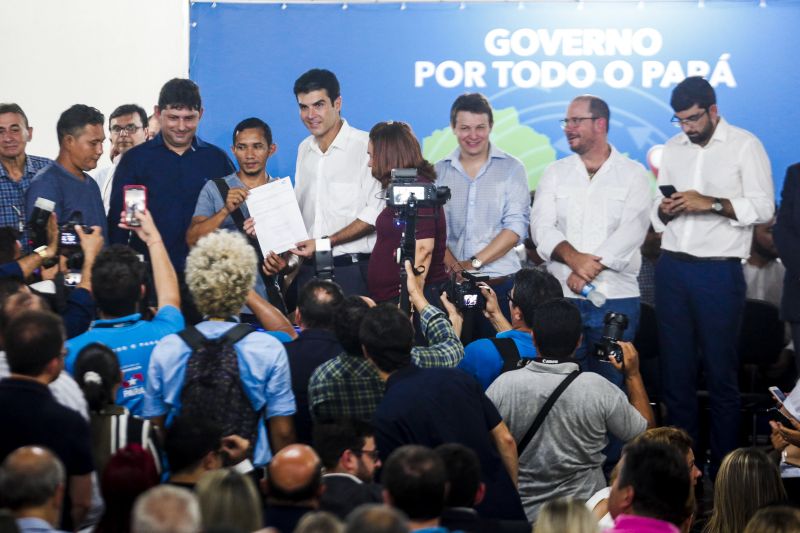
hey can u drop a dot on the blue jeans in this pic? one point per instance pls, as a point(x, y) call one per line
point(699, 306)
point(592, 318)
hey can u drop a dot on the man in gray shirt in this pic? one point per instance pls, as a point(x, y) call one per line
point(565, 456)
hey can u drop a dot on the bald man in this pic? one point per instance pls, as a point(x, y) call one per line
point(32, 484)
point(294, 481)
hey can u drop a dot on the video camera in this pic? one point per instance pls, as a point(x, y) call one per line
point(466, 294)
point(614, 326)
point(405, 185)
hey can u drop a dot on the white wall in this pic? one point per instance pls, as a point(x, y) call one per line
point(101, 53)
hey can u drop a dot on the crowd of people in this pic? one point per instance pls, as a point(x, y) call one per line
point(164, 373)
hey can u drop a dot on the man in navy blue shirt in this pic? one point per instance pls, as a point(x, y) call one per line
point(65, 181)
point(174, 166)
point(431, 406)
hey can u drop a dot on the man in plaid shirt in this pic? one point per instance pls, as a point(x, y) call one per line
point(16, 168)
point(348, 386)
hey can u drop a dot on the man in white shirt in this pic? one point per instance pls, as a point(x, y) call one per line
point(128, 127)
point(723, 185)
point(339, 199)
point(589, 218)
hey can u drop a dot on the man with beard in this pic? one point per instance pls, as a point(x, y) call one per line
point(589, 218)
point(723, 186)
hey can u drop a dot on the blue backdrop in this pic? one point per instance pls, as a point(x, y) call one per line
point(409, 62)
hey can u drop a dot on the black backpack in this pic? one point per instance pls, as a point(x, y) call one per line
point(212, 388)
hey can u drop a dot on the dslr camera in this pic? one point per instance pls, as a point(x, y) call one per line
point(466, 294)
point(404, 185)
point(70, 243)
point(614, 325)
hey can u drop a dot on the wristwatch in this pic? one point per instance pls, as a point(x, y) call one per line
point(717, 205)
point(476, 263)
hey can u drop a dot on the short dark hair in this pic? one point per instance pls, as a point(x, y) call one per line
point(463, 473)
point(128, 109)
point(676, 437)
point(556, 328)
point(189, 439)
point(693, 90)
point(388, 336)
point(416, 479)
point(318, 301)
point(533, 287)
point(332, 437)
point(32, 340)
point(598, 107)
point(180, 93)
point(309, 491)
point(347, 321)
point(97, 387)
point(660, 480)
point(73, 120)
point(472, 103)
point(117, 277)
point(8, 244)
point(255, 124)
point(14, 108)
point(318, 79)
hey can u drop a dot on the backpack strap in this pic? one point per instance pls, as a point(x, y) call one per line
point(537, 423)
point(271, 283)
point(236, 333)
point(508, 351)
point(192, 336)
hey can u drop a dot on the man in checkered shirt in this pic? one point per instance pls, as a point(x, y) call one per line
point(16, 168)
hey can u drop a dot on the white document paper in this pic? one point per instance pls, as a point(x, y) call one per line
point(279, 225)
point(792, 403)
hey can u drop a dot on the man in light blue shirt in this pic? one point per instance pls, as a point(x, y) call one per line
point(220, 272)
point(483, 358)
point(488, 213)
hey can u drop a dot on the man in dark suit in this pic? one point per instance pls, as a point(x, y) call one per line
point(316, 344)
point(786, 235)
point(348, 453)
point(465, 491)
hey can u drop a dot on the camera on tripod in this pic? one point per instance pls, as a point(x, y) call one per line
point(466, 294)
point(405, 186)
point(614, 325)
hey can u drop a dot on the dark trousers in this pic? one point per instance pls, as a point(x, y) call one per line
point(699, 307)
point(351, 278)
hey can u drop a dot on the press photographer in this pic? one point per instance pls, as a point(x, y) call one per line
point(420, 238)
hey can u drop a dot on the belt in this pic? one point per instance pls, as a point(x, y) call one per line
point(680, 256)
point(346, 259)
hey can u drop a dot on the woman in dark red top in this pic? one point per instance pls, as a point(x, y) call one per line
point(392, 145)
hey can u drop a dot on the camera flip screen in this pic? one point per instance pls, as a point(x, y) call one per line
point(402, 194)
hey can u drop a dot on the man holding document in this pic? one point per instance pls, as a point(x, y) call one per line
point(221, 204)
point(338, 198)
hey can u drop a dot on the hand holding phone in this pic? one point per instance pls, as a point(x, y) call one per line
point(135, 199)
point(777, 394)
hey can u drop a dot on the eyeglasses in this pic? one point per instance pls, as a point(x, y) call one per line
point(372, 454)
point(130, 129)
point(679, 122)
point(574, 121)
point(511, 299)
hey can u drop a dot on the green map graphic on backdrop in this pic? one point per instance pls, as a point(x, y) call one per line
point(534, 149)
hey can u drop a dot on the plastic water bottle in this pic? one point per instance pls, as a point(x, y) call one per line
point(591, 293)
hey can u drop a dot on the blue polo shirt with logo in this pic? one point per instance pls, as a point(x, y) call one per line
point(132, 339)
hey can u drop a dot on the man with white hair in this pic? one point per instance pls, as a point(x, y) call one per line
point(32, 487)
point(166, 509)
point(220, 272)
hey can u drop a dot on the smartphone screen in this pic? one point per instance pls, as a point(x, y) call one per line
point(778, 394)
point(135, 200)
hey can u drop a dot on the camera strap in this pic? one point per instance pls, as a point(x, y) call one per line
point(507, 349)
point(274, 294)
point(537, 422)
